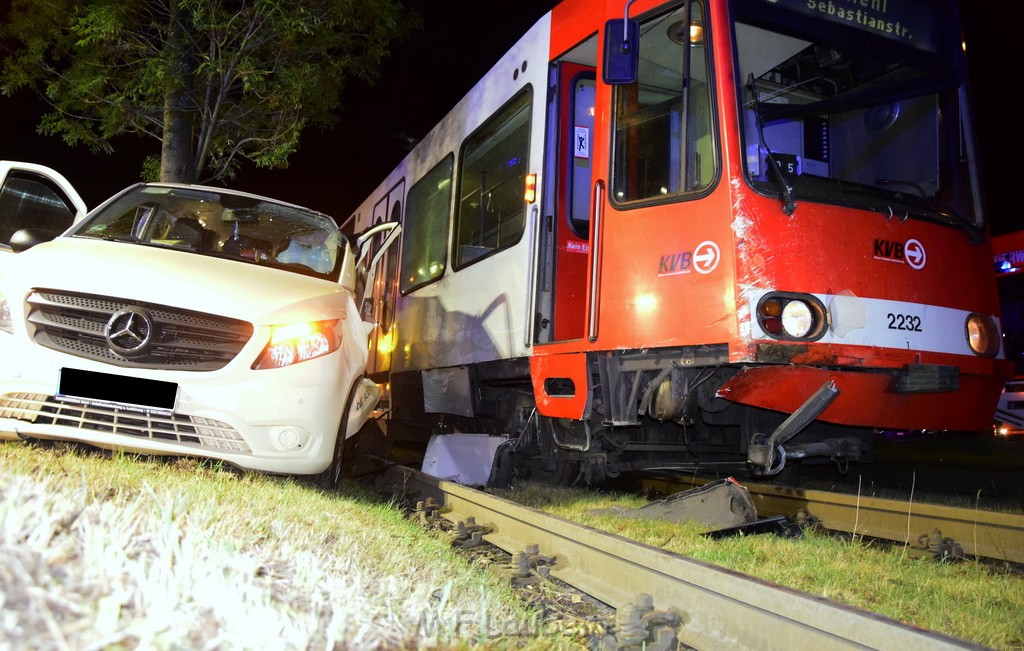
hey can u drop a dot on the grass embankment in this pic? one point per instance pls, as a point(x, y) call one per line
point(967, 600)
point(112, 552)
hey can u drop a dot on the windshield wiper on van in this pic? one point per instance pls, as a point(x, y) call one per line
point(130, 239)
point(788, 204)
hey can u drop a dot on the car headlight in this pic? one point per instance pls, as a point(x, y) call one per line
point(6, 324)
point(791, 316)
point(298, 342)
point(982, 335)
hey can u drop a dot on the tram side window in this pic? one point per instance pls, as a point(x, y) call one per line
point(664, 143)
point(425, 234)
point(490, 214)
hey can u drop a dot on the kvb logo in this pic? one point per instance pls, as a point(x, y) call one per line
point(703, 259)
point(910, 252)
point(674, 264)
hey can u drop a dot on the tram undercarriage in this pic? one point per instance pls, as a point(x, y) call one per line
point(647, 413)
point(566, 451)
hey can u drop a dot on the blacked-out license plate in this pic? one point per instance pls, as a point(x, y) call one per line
point(90, 386)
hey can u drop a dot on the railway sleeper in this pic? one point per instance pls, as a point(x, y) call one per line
point(528, 567)
point(640, 626)
point(940, 547)
point(468, 533)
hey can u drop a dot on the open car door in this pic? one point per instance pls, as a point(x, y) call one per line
point(38, 198)
point(367, 259)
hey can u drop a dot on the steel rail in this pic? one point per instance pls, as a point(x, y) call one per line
point(988, 534)
point(719, 608)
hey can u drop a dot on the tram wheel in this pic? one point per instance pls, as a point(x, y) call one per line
point(562, 473)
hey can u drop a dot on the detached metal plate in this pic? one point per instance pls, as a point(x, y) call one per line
point(448, 391)
point(720, 504)
point(463, 458)
point(927, 378)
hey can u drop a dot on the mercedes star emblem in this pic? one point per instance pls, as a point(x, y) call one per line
point(130, 331)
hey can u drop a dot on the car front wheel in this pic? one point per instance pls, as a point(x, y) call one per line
point(329, 478)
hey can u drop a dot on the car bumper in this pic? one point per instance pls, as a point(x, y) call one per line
point(276, 420)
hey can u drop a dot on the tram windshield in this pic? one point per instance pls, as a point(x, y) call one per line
point(857, 103)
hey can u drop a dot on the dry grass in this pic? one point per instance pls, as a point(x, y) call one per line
point(111, 552)
point(966, 600)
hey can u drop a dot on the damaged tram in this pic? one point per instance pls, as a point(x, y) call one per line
point(739, 233)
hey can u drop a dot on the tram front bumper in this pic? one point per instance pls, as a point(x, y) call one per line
point(916, 397)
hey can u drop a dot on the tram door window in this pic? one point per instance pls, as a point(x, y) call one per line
point(664, 145)
point(385, 285)
point(576, 97)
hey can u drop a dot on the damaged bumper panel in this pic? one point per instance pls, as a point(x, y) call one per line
point(927, 378)
point(920, 396)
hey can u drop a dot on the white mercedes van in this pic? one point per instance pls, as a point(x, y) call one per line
point(181, 320)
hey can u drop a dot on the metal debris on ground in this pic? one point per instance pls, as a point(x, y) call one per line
point(720, 504)
point(777, 524)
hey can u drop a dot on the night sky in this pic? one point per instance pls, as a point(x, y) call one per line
point(424, 76)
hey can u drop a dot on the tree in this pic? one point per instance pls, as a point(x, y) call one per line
point(216, 81)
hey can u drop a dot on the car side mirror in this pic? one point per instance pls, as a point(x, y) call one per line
point(26, 238)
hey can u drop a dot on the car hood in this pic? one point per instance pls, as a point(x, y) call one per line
point(261, 295)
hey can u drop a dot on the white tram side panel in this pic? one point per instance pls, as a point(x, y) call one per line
point(477, 311)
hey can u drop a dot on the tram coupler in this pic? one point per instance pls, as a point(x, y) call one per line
point(766, 453)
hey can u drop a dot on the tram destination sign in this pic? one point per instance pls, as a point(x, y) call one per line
point(905, 21)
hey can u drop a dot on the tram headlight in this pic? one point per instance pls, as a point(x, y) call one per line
point(797, 319)
point(791, 316)
point(982, 335)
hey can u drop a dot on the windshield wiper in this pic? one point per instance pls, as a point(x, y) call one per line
point(788, 204)
point(130, 239)
point(974, 233)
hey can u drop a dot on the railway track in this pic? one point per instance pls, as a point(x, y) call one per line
point(932, 528)
point(698, 604)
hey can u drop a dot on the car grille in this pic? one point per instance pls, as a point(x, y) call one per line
point(181, 339)
point(189, 431)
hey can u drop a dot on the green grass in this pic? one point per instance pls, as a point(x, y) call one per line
point(117, 552)
point(967, 600)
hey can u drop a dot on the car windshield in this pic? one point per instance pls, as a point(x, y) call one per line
point(860, 105)
point(221, 224)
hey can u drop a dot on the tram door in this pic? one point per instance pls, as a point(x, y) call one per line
point(385, 287)
point(571, 223)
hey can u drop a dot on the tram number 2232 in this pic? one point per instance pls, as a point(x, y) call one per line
point(907, 322)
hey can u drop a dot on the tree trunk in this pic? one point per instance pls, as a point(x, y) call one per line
point(176, 162)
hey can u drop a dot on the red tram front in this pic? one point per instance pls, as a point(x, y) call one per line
point(756, 237)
